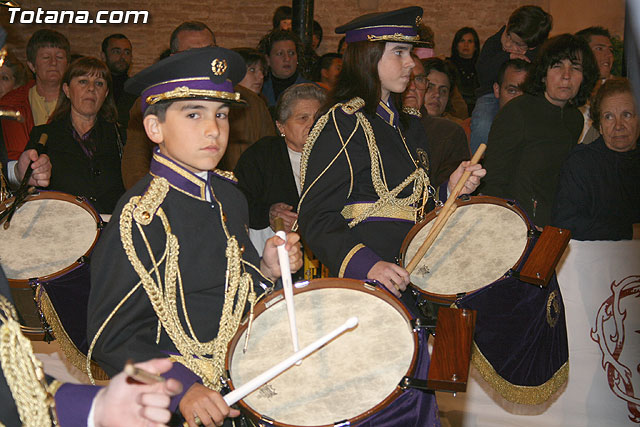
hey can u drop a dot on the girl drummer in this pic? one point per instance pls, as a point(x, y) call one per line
point(365, 165)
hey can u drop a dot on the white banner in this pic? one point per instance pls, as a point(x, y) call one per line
point(600, 284)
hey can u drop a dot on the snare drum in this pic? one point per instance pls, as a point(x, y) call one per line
point(484, 238)
point(355, 377)
point(47, 244)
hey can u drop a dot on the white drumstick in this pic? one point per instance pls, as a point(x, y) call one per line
point(276, 370)
point(287, 283)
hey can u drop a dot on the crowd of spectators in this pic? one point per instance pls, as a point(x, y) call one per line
point(464, 99)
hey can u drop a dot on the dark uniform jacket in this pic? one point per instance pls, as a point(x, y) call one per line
point(196, 223)
point(99, 178)
point(347, 182)
point(265, 177)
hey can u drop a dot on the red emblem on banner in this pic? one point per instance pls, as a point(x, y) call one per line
point(617, 332)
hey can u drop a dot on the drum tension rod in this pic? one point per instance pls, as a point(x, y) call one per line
point(429, 324)
point(410, 382)
point(343, 423)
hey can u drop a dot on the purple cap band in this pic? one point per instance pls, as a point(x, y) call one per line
point(362, 34)
point(201, 83)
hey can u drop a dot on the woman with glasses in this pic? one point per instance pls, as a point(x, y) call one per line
point(528, 27)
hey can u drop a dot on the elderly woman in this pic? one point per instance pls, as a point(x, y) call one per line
point(283, 50)
point(268, 172)
point(599, 189)
point(532, 134)
point(84, 143)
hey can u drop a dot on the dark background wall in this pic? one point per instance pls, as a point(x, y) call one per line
point(242, 22)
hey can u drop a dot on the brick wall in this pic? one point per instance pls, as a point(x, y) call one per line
point(242, 22)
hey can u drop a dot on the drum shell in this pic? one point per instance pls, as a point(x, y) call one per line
point(447, 299)
point(236, 343)
point(24, 290)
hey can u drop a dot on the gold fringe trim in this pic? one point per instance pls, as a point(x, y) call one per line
point(54, 386)
point(526, 395)
point(226, 174)
point(23, 372)
point(412, 111)
point(396, 37)
point(73, 355)
point(183, 92)
point(388, 211)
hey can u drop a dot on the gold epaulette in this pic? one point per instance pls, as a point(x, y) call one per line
point(353, 105)
point(150, 201)
point(226, 175)
point(412, 111)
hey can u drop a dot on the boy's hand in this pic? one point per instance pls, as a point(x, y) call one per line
point(125, 402)
point(207, 405)
point(270, 265)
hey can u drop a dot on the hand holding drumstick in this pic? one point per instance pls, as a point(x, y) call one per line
point(465, 182)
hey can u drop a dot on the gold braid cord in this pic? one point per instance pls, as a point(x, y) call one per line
point(34, 399)
point(386, 197)
point(206, 359)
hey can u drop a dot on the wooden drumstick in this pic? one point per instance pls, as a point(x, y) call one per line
point(276, 370)
point(140, 374)
point(445, 213)
point(287, 282)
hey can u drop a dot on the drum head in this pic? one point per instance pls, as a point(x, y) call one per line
point(477, 246)
point(343, 380)
point(47, 234)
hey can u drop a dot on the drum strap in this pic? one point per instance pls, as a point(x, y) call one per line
point(25, 378)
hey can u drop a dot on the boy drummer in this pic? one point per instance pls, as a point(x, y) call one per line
point(175, 268)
